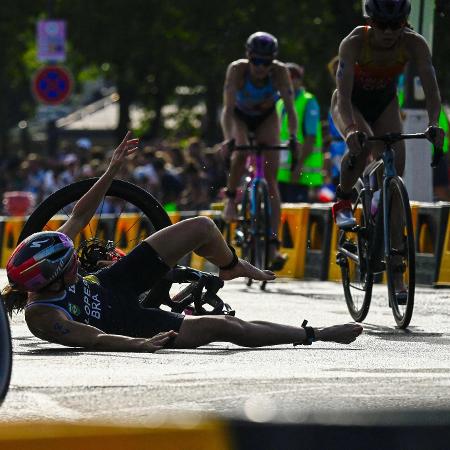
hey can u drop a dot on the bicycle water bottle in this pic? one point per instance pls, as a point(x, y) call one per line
point(375, 201)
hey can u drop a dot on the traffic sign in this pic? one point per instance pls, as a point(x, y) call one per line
point(52, 85)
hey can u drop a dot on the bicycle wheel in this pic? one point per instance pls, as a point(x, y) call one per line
point(400, 261)
point(5, 353)
point(139, 212)
point(260, 224)
point(357, 278)
point(253, 232)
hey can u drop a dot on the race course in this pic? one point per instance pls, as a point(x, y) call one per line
point(385, 369)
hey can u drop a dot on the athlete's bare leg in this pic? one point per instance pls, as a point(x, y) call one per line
point(349, 176)
point(198, 331)
point(237, 169)
point(201, 235)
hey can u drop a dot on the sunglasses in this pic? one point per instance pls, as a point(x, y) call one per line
point(261, 62)
point(393, 25)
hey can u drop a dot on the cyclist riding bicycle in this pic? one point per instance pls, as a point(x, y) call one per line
point(252, 88)
point(102, 311)
point(365, 103)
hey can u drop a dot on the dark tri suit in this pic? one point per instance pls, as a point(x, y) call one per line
point(375, 86)
point(109, 299)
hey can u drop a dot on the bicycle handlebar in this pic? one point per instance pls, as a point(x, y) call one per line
point(391, 138)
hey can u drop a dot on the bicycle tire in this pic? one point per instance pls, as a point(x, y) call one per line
point(129, 192)
point(402, 313)
point(350, 270)
point(261, 224)
point(5, 353)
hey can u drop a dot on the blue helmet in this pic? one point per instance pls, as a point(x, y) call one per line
point(261, 43)
point(388, 10)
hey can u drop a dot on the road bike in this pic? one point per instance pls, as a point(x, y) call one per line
point(254, 232)
point(126, 216)
point(5, 353)
point(382, 240)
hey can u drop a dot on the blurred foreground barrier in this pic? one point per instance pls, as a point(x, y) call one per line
point(393, 430)
point(318, 241)
point(444, 269)
point(430, 233)
point(54, 436)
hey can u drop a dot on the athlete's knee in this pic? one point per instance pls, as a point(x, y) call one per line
point(204, 226)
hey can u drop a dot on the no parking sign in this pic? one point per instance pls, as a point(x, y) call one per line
point(52, 85)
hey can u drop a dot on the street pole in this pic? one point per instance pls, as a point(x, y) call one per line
point(418, 153)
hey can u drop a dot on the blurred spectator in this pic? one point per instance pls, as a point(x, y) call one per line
point(195, 195)
point(170, 185)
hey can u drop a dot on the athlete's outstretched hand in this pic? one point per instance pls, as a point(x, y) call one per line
point(124, 149)
point(157, 342)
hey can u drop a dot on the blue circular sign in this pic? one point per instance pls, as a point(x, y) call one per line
point(52, 85)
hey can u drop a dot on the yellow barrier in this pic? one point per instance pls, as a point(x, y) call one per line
point(444, 268)
point(127, 233)
point(334, 271)
point(203, 436)
point(11, 231)
point(292, 234)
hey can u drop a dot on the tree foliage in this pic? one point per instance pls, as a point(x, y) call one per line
point(152, 46)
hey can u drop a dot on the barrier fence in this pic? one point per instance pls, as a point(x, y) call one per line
point(394, 429)
point(307, 234)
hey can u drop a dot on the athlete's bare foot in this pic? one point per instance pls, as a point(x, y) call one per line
point(230, 210)
point(245, 269)
point(343, 334)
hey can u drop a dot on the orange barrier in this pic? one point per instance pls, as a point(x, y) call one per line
point(292, 234)
point(57, 436)
point(11, 231)
point(443, 278)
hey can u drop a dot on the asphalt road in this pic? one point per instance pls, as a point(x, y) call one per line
point(385, 368)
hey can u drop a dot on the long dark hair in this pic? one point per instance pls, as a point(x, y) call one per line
point(13, 299)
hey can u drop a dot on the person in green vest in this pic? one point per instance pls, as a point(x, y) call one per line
point(440, 173)
point(300, 184)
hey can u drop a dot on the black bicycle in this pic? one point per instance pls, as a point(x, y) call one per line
point(5, 353)
point(126, 216)
point(254, 230)
point(383, 239)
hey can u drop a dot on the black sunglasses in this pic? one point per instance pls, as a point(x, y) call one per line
point(392, 25)
point(260, 61)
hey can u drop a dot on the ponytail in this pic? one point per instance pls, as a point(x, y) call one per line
point(13, 299)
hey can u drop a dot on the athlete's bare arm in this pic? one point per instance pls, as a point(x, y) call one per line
point(284, 86)
point(85, 208)
point(348, 53)
point(421, 57)
point(53, 326)
point(230, 89)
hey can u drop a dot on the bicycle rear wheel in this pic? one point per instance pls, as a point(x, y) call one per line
point(400, 261)
point(5, 353)
point(137, 212)
point(357, 278)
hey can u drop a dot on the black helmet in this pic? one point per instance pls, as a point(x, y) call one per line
point(263, 44)
point(388, 10)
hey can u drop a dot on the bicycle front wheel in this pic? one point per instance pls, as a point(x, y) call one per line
point(400, 260)
point(254, 228)
point(134, 213)
point(357, 278)
point(5, 353)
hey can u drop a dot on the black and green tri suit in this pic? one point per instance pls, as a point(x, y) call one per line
point(109, 298)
